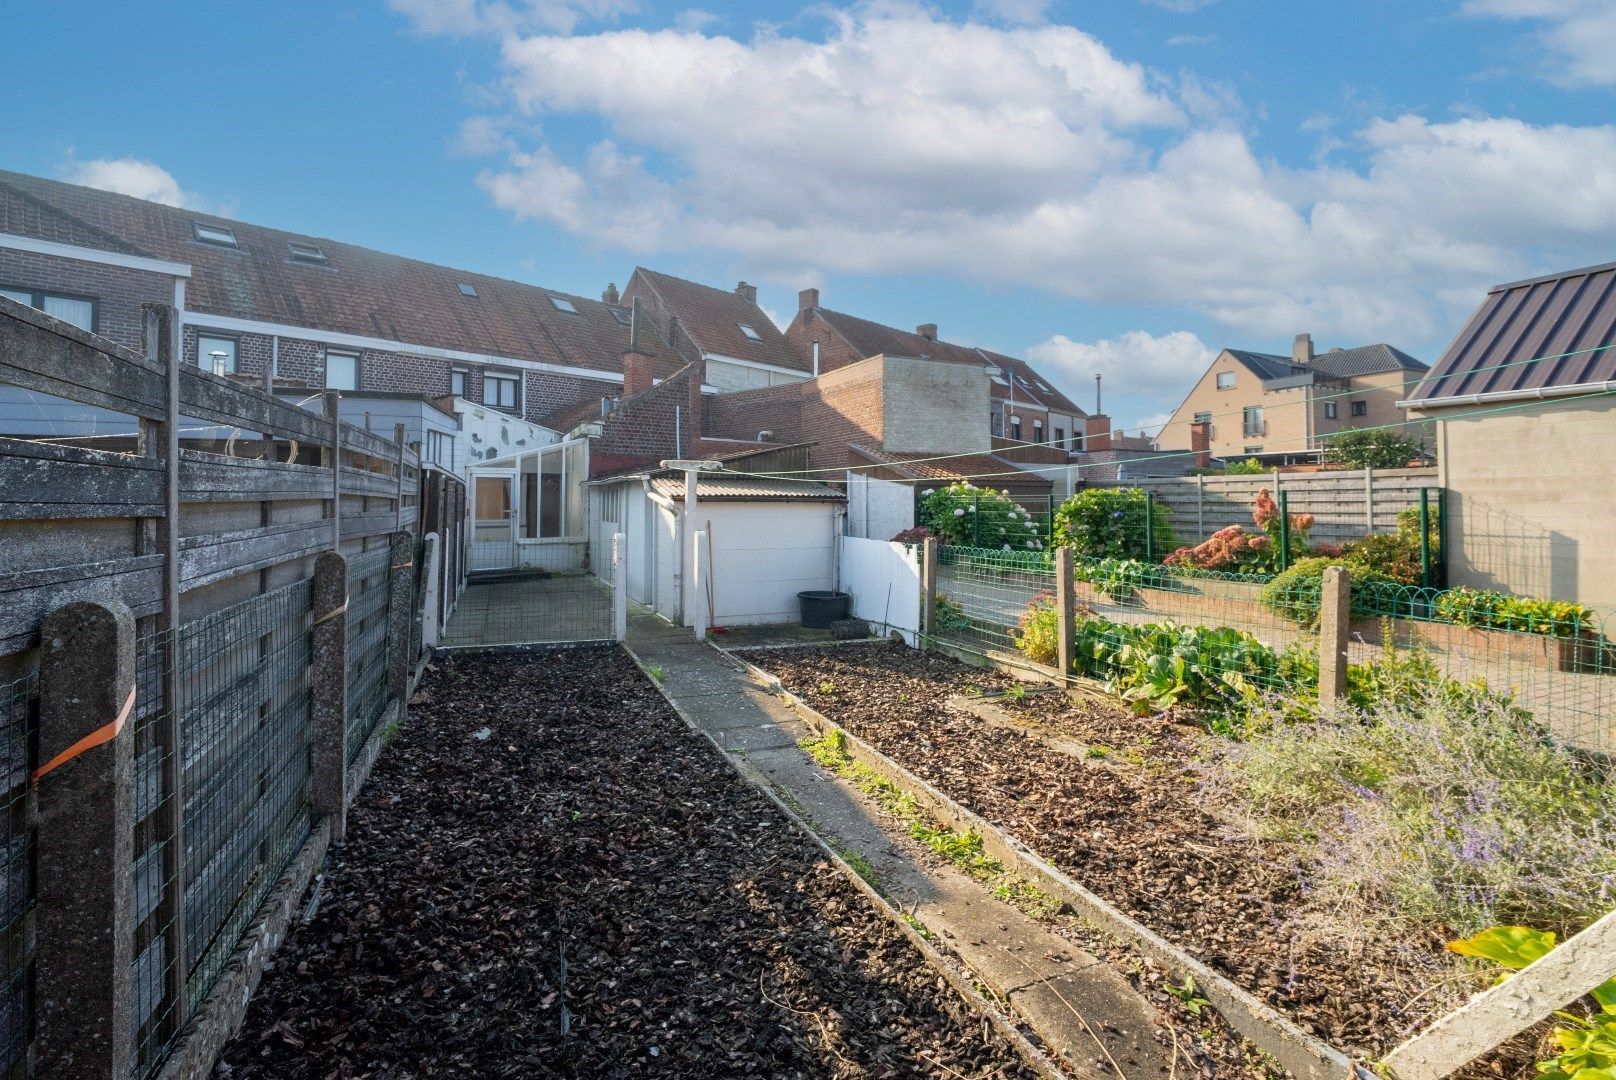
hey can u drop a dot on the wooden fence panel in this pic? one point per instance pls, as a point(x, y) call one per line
point(46, 481)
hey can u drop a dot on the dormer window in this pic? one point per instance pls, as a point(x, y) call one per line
point(564, 305)
point(217, 235)
point(467, 289)
point(751, 334)
point(306, 253)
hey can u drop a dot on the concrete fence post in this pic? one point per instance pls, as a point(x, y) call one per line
point(928, 590)
point(400, 610)
point(700, 617)
point(328, 695)
point(619, 587)
point(432, 586)
point(1066, 611)
point(1369, 500)
point(85, 786)
point(1335, 617)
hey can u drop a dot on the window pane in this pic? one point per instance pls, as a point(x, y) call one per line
point(216, 354)
point(341, 371)
point(457, 383)
point(20, 297)
point(81, 313)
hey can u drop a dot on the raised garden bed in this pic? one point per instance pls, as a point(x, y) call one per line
point(1130, 822)
point(549, 874)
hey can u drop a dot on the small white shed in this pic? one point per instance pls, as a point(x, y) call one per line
point(767, 539)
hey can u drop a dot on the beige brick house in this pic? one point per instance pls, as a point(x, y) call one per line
point(1281, 409)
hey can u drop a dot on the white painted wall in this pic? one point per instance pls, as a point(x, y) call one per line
point(884, 580)
point(878, 509)
point(764, 553)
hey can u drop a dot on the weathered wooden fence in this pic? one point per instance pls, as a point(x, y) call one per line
point(1345, 504)
point(209, 623)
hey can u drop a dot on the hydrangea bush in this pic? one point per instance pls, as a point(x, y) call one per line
point(965, 515)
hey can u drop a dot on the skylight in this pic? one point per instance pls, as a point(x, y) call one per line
point(622, 316)
point(468, 289)
point(751, 334)
point(563, 304)
point(214, 234)
point(308, 253)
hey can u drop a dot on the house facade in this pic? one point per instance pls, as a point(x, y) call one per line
point(1022, 405)
point(1524, 415)
point(1282, 409)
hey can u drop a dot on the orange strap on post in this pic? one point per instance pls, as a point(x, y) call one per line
point(332, 614)
point(103, 734)
point(404, 565)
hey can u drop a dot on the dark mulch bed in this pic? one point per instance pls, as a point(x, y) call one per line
point(549, 875)
point(1132, 824)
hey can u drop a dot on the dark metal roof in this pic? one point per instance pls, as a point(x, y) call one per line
point(1335, 364)
point(1263, 365)
point(1552, 331)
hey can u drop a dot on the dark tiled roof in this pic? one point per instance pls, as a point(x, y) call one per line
point(1546, 332)
point(713, 317)
point(1335, 364)
point(357, 291)
point(874, 339)
point(743, 486)
point(984, 470)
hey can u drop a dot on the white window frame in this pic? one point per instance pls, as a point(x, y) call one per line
point(205, 362)
point(214, 235)
point(329, 353)
point(1225, 380)
point(36, 299)
point(492, 379)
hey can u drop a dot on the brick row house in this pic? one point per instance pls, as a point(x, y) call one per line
point(1281, 409)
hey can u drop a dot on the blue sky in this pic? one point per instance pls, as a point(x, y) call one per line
point(1117, 185)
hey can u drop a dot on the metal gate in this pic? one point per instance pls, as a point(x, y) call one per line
point(516, 606)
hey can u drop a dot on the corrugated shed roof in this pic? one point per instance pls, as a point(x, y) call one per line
point(743, 487)
point(1553, 331)
point(355, 291)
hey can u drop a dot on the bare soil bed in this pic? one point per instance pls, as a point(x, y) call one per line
point(1128, 819)
point(549, 875)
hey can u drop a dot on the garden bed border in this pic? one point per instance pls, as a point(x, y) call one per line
point(1303, 1055)
point(1035, 1058)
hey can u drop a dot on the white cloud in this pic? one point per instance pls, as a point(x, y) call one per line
point(1182, 40)
point(1015, 11)
point(1034, 156)
point(694, 19)
point(1579, 37)
point(1145, 364)
point(132, 176)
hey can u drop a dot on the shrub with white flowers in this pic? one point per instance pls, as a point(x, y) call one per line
point(968, 516)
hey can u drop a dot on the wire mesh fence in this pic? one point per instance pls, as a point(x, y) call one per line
point(1164, 635)
point(19, 701)
point(369, 603)
point(238, 681)
point(532, 609)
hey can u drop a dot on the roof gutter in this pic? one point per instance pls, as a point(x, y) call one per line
point(1541, 393)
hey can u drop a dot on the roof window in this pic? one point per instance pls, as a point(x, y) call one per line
point(623, 315)
point(563, 304)
point(751, 334)
point(468, 289)
point(214, 234)
point(307, 253)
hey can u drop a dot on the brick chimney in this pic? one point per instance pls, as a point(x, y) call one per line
point(610, 296)
point(746, 292)
point(1302, 349)
point(927, 330)
point(807, 299)
point(1097, 435)
point(1201, 443)
point(637, 372)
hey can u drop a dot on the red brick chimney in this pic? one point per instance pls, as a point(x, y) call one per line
point(610, 296)
point(746, 292)
point(1098, 434)
point(927, 330)
point(638, 369)
point(807, 299)
point(1201, 443)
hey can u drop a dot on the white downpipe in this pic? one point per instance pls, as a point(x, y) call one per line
point(619, 587)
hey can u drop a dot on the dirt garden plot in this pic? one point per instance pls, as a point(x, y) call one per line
point(549, 875)
point(1115, 801)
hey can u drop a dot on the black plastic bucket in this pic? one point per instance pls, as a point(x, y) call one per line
point(821, 607)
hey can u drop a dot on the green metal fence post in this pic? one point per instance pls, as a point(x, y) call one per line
point(1442, 537)
point(1284, 529)
point(1150, 527)
point(976, 521)
point(1425, 538)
